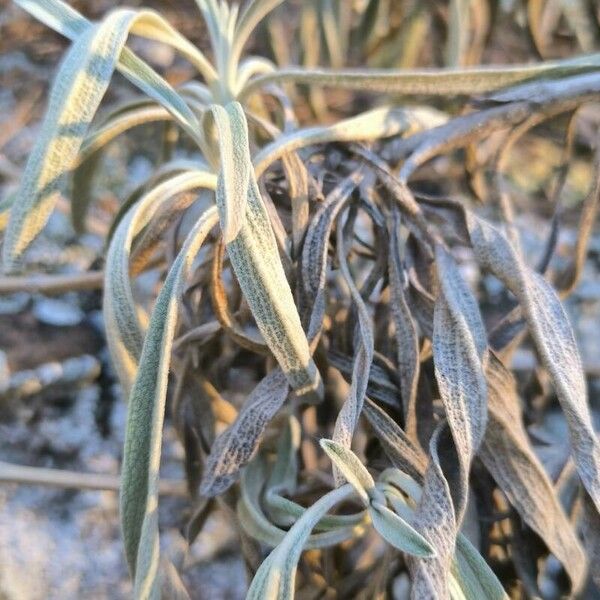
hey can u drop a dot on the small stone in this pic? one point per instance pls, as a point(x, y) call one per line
point(14, 303)
point(59, 313)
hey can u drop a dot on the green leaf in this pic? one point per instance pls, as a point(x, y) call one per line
point(234, 173)
point(59, 16)
point(433, 82)
point(351, 468)
point(257, 265)
point(62, 18)
point(143, 437)
point(397, 532)
point(334, 529)
point(124, 332)
point(276, 576)
point(75, 96)
point(473, 574)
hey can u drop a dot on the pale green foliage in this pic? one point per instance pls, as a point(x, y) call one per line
point(418, 507)
point(141, 458)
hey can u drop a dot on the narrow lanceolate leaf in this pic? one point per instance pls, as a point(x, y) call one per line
point(401, 451)
point(473, 575)
point(398, 533)
point(373, 124)
point(276, 576)
point(351, 468)
point(98, 49)
point(407, 339)
point(124, 332)
point(551, 330)
point(437, 82)
point(77, 91)
point(460, 355)
point(236, 446)
point(68, 22)
point(314, 260)
point(234, 174)
point(393, 528)
point(256, 262)
point(510, 459)
point(348, 416)
point(141, 459)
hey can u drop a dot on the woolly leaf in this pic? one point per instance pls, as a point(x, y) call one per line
point(143, 436)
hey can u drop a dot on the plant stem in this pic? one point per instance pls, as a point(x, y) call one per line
point(10, 473)
point(52, 284)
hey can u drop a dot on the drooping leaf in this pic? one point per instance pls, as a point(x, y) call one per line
point(83, 78)
point(407, 340)
point(349, 414)
point(276, 576)
point(143, 436)
point(508, 456)
point(76, 94)
point(353, 471)
point(124, 332)
point(255, 259)
point(239, 443)
point(460, 355)
point(393, 528)
point(551, 330)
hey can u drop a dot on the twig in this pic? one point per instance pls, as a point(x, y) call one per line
point(52, 284)
point(10, 473)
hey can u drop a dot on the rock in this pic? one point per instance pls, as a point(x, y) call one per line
point(59, 313)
